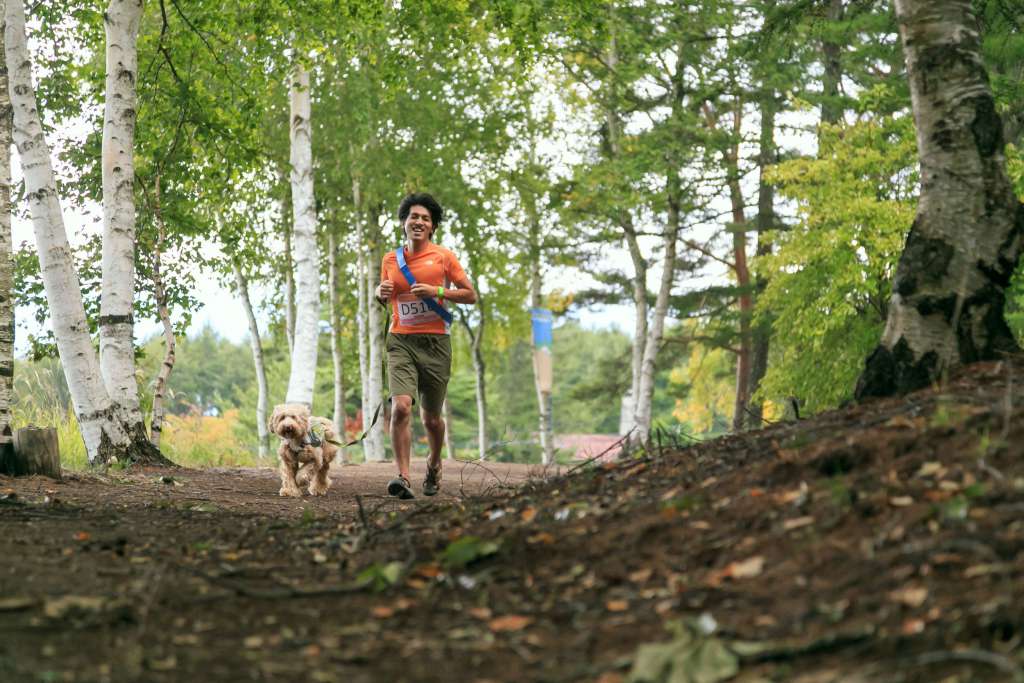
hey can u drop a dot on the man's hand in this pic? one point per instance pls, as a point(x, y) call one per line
point(424, 291)
point(385, 290)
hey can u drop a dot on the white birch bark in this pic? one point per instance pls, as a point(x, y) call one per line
point(652, 343)
point(375, 346)
point(307, 266)
point(6, 257)
point(102, 431)
point(336, 352)
point(242, 285)
point(948, 294)
point(163, 311)
point(289, 290)
point(361, 325)
point(117, 351)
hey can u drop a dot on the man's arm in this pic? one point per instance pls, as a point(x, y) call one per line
point(461, 293)
point(386, 288)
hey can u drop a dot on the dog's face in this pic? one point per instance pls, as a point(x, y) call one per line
point(290, 421)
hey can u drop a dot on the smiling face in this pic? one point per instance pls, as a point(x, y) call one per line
point(418, 226)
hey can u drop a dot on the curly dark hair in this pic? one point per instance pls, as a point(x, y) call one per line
point(426, 201)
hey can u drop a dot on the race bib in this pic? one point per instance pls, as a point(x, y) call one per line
point(413, 310)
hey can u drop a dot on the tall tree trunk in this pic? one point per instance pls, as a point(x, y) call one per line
point(765, 223)
point(479, 376)
point(289, 289)
point(336, 355)
point(302, 378)
point(948, 293)
point(262, 430)
point(375, 346)
point(544, 427)
point(105, 435)
point(365, 294)
point(739, 248)
point(6, 255)
point(645, 395)
point(613, 125)
point(832, 64)
point(163, 311)
point(117, 350)
point(449, 445)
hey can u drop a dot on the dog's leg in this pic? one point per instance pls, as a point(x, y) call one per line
point(288, 485)
point(318, 486)
point(320, 482)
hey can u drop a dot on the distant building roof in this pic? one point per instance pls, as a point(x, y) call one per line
point(586, 446)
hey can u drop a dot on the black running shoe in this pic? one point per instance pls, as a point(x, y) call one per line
point(400, 488)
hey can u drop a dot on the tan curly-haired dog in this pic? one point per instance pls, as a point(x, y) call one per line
point(306, 450)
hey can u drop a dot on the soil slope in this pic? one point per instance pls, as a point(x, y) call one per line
point(882, 542)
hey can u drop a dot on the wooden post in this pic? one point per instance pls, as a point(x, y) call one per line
point(35, 451)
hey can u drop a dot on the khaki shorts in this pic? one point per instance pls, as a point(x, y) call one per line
point(419, 365)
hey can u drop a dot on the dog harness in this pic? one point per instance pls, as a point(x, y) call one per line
point(433, 305)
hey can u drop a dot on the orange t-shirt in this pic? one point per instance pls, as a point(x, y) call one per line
point(434, 266)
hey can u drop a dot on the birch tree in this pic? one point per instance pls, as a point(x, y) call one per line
point(6, 256)
point(374, 443)
point(242, 288)
point(307, 265)
point(106, 436)
point(117, 351)
point(948, 294)
point(333, 287)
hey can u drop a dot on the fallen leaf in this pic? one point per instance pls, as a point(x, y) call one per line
point(756, 492)
point(509, 622)
point(700, 524)
point(543, 537)
point(253, 642)
point(901, 501)
point(797, 522)
point(382, 612)
point(481, 613)
point(746, 569)
point(797, 495)
point(911, 596)
point(416, 584)
point(986, 569)
point(641, 575)
point(16, 604)
point(428, 571)
point(82, 536)
point(617, 605)
point(930, 468)
point(912, 627)
point(528, 514)
point(902, 421)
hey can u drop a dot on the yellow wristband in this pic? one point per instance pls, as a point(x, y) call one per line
point(440, 292)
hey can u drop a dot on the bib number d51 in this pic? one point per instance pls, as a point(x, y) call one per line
point(413, 310)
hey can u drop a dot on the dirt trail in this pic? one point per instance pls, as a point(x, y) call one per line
point(883, 542)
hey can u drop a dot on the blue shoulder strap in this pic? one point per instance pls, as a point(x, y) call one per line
point(431, 303)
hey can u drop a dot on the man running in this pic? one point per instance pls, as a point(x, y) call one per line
point(418, 279)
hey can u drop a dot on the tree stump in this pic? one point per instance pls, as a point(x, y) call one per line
point(35, 451)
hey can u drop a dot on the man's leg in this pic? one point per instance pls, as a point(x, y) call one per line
point(434, 424)
point(401, 432)
point(403, 386)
